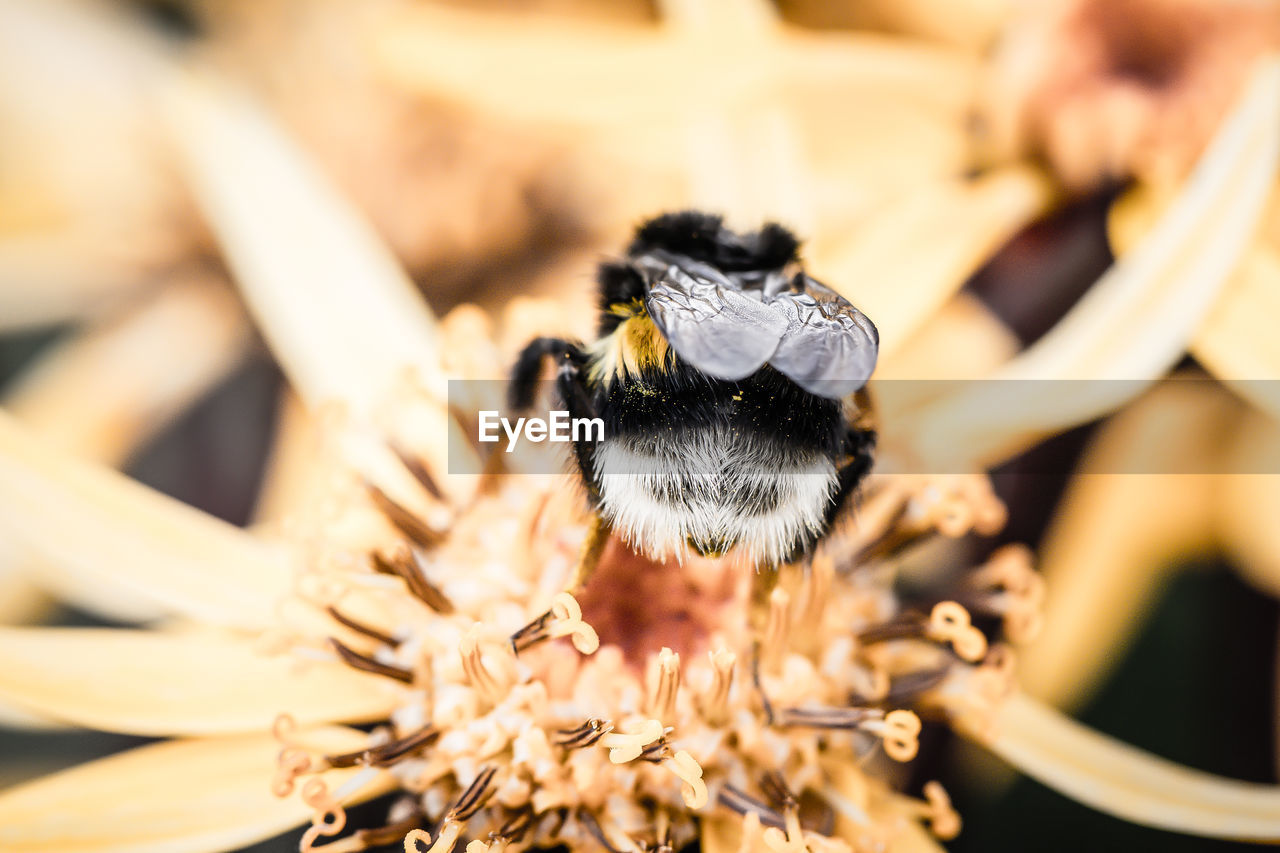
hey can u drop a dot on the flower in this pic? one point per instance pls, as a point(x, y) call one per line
point(1106, 91)
point(371, 603)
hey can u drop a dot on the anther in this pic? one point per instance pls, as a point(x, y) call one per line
point(714, 705)
point(943, 819)
point(694, 790)
point(624, 747)
point(663, 705)
point(563, 619)
point(584, 735)
point(949, 622)
point(900, 733)
point(493, 687)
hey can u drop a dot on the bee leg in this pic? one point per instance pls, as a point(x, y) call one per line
point(763, 581)
point(862, 445)
point(524, 377)
point(573, 391)
point(592, 549)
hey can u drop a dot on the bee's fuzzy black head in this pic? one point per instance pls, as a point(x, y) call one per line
point(697, 236)
point(703, 237)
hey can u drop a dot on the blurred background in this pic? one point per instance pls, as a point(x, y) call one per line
point(965, 171)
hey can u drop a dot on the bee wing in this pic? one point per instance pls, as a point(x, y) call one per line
point(712, 325)
point(829, 348)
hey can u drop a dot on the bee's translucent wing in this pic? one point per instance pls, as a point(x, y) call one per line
point(829, 348)
point(708, 321)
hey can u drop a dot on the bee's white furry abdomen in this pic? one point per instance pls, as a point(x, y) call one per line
point(716, 487)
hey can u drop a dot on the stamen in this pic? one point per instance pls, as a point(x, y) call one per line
point(777, 629)
point(493, 687)
point(568, 615)
point(744, 804)
point(405, 520)
point(329, 819)
point(903, 627)
point(816, 593)
point(563, 619)
point(900, 733)
point(694, 790)
point(714, 705)
point(790, 841)
point(415, 466)
point(624, 747)
point(593, 828)
point(584, 735)
point(360, 627)
point(404, 564)
point(663, 705)
point(949, 622)
point(943, 819)
point(448, 837)
point(412, 838)
point(387, 753)
point(474, 797)
point(355, 660)
point(827, 718)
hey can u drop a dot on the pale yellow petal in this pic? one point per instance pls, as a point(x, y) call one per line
point(101, 393)
point(1119, 529)
point(1238, 342)
point(548, 69)
point(1235, 341)
point(292, 466)
point(913, 255)
point(342, 317)
point(192, 796)
point(1126, 782)
point(104, 528)
point(1139, 317)
point(189, 683)
point(1248, 503)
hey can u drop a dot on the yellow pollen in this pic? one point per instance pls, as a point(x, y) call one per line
point(568, 615)
point(694, 790)
point(900, 731)
point(949, 622)
point(624, 747)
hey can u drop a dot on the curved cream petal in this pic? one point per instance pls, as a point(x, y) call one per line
point(908, 259)
point(1126, 782)
point(1137, 320)
point(190, 796)
point(342, 317)
point(189, 683)
point(1249, 503)
point(340, 313)
point(103, 528)
point(1237, 341)
point(101, 393)
point(1119, 528)
point(548, 69)
point(106, 390)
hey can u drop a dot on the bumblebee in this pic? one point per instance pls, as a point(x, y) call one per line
point(731, 387)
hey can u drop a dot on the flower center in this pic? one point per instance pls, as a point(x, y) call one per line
point(642, 605)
